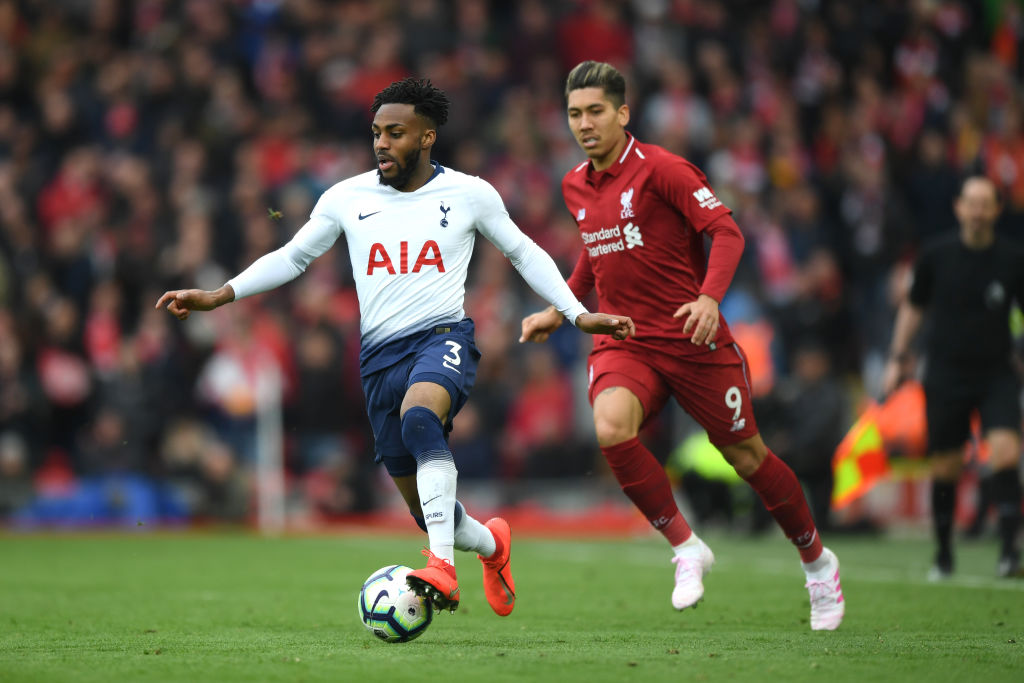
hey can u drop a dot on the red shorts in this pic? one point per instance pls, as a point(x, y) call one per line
point(715, 391)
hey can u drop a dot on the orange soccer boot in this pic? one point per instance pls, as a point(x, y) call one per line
point(499, 587)
point(436, 582)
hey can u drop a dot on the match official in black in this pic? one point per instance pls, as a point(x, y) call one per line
point(963, 287)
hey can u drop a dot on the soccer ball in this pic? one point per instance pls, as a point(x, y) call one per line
point(390, 609)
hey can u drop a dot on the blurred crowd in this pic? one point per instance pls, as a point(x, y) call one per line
point(155, 144)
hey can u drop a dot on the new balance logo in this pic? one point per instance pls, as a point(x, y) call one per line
point(633, 236)
point(581, 214)
point(739, 424)
point(707, 199)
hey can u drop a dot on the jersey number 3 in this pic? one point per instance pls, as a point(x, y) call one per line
point(451, 359)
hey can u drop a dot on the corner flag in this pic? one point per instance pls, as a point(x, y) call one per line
point(860, 459)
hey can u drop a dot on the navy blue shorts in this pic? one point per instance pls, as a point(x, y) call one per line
point(445, 355)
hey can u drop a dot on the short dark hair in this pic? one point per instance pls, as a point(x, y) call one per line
point(591, 74)
point(427, 100)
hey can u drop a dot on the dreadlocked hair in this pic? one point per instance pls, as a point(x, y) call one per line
point(427, 100)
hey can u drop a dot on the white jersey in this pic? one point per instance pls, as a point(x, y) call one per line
point(410, 251)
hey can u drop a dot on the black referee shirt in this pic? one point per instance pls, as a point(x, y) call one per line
point(966, 296)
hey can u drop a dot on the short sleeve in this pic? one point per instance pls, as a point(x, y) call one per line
point(922, 278)
point(684, 186)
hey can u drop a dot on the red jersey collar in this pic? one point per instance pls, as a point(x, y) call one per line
point(594, 176)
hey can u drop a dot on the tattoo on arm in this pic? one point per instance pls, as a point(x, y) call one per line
point(608, 390)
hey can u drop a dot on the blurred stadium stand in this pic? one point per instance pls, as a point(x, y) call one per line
point(157, 144)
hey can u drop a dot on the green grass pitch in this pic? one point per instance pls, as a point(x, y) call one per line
point(237, 607)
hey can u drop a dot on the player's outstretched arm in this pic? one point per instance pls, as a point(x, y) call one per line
point(537, 327)
point(618, 326)
point(181, 302)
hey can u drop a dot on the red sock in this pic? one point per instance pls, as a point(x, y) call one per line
point(643, 479)
point(780, 492)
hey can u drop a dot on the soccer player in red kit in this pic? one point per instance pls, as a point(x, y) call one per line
point(643, 214)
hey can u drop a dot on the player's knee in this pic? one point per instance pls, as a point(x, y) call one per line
point(399, 465)
point(745, 457)
point(422, 432)
point(1004, 448)
point(611, 432)
point(946, 465)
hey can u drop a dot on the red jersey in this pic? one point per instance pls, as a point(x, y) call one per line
point(643, 221)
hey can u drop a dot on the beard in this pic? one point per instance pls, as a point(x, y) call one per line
point(406, 167)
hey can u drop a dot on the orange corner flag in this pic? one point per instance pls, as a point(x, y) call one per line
point(860, 459)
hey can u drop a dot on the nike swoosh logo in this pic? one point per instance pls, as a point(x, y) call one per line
point(509, 595)
point(424, 502)
point(452, 593)
point(361, 216)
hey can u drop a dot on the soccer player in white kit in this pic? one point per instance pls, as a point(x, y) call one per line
point(410, 227)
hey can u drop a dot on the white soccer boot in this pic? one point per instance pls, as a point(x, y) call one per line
point(691, 567)
point(827, 603)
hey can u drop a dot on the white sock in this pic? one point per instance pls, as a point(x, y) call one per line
point(689, 546)
point(435, 482)
point(473, 536)
point(819, 568)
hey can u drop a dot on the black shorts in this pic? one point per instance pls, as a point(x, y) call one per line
point(949, 403)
